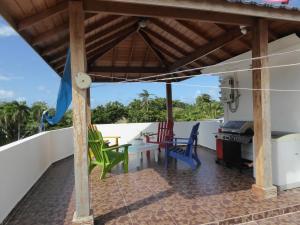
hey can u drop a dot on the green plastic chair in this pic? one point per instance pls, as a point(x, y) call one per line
point(100, 154)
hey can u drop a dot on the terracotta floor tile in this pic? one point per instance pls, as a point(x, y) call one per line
point(150, 194)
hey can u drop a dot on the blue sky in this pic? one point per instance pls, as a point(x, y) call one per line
point(24, 76)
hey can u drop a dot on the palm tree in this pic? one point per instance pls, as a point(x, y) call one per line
point(145, 97)
point(20, 114)
point(37, 110)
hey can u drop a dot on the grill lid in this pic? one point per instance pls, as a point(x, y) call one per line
point(236, 126)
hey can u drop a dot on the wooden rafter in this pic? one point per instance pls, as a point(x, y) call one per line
point(154, 49)
point(196, 29)
point(180, 36)
point(97, 39)
point(243, 41)
point(206, 49)
point(37, 18)
point(111, 44)
point(160, 8)
point(113, 69)
point(64, 42)
point(95, 47)
point(166, 41)
point(64, 28)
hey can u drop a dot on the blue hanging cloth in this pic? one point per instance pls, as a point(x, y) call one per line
point(64, 97)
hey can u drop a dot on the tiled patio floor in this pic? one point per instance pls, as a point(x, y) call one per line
point(149, 194)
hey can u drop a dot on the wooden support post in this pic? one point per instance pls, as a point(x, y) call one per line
point(261, 113)
point(79, 96)
point(169, 101)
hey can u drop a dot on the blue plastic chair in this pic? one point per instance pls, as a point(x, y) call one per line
point(188, 154)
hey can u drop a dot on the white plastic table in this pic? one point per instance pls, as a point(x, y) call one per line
point(138, 149)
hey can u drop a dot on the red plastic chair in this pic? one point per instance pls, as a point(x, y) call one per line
point(164, 133)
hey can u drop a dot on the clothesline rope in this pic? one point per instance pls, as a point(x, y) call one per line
point(204, 67)
point(224, 72)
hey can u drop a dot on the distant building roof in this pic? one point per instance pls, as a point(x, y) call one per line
point(291, 5)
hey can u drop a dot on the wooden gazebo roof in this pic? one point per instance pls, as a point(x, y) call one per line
point(132, 39)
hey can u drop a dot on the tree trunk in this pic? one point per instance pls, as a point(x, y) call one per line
point(19, 130)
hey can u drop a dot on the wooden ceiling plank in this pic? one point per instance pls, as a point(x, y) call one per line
point(94, 41)
point(34, 19)
point(160, 9)
point(202, 51)
point(63, 28)
point(94, 48)
point(49, 34)
point(167, 42)
point(152, 46)
point(243, 41)
point(180, 36)
point(122, 36)
point(195, 29)
point(64, 42)
point(110, 29)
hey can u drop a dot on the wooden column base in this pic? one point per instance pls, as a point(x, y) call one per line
point(264, 193)
point(88, 220)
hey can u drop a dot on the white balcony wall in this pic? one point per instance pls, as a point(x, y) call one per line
point(129, 131)
point(23, 162)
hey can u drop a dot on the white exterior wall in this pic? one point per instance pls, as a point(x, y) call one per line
point(130, 131)
point(285, 109)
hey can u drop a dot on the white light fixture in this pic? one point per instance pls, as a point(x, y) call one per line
point(83, 80)
point(243, 30)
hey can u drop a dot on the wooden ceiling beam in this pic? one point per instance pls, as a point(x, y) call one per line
point(244, 42)
point(113, 69)
point(64, 28)
point(206, 49)
point(171, 9)
point(95, 47)
point(64, 42)
point(46, 14)
point(104, 49)
point(153, 47)
point(98, 39)
point(181, 37)
point(210, 11)
point(197, 30)
point(110, 30)
point(166, 42)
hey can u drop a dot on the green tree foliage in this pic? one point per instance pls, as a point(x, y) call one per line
point(112, 112)
point(17, 120)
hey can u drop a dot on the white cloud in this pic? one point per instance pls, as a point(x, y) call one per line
point(7, 31)
point(6, 94)
point(8, 78)
point(42, 88)
point(3, 77)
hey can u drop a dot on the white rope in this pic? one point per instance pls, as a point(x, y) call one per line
point(240, 88)
point(232, 71)
point(216, 65)
point(124, 80)
point(224, 72)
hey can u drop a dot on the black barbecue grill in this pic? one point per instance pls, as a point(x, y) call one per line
point(233, 134)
